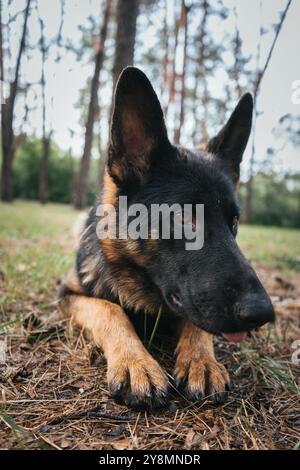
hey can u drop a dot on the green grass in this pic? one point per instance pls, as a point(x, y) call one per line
point(27, 219)
point(36, 248)
point(273, 247)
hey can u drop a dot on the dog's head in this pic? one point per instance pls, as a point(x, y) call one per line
point(215, 287)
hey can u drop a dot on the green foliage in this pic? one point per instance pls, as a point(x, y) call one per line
point(26, 172)
point(60, 173)
point(26, 169)
point(276, 199)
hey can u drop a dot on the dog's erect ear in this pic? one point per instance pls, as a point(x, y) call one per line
point(137, 127)
point(230, 143)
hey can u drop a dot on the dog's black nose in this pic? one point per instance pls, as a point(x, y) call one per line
point(255, 311)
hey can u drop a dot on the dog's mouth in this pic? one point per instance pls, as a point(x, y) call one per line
point(232, 327)
point(237, 337)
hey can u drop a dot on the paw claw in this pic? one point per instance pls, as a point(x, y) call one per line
point(200, 378)
point(138, 382)
point(219, 398)
point(229, 387)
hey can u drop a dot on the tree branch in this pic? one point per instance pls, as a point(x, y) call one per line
point(279, 27)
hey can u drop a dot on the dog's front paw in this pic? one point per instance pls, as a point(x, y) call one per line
point(137, 380)
point(201, 377)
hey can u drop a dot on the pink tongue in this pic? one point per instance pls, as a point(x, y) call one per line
point(235, 337)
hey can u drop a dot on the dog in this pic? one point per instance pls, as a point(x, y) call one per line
point(209, 291)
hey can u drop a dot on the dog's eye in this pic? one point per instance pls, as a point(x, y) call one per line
point(235, 225)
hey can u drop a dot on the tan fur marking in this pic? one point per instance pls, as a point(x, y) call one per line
point(127, 284)
point(112, 331)
point(117, 170)
point(109, 197)
point(196, 359)
point(110, 190)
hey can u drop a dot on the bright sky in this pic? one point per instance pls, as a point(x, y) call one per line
point(66, 78)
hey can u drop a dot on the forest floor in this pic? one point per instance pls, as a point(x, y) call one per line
point(52, 381)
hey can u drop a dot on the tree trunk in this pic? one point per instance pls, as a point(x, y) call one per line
point(236, 65)
point(127, 13)
point(172, 80)
point(43, 186)
point(1, 57)
point(184, 25)
point(72, 175)
point(200, 128)
point(7, 111)
point(80, 198)
point(165, 60)
point(101, 167)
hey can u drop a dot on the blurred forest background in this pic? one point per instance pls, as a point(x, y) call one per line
point(59, 62)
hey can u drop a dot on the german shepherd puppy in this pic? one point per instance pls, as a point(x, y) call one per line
point(209, 291)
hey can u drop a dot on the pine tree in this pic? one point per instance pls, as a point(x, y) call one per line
point(82, 181)
point(127, 13)
point(7, 112)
